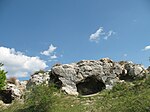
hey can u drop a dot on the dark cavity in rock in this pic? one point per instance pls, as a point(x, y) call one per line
point(5, 96)
point(55, 80)
point(89, 86)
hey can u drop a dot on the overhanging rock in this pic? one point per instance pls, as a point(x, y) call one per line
point(91, 76)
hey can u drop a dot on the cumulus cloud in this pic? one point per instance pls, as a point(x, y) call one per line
point(100, 33)
point(146, 48)
point(50, 53)
point(53, 57)
point(50, 50)
point(19, 65)
point(96, 36)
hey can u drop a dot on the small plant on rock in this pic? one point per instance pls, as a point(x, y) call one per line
point(2, 77)
point(40, 71)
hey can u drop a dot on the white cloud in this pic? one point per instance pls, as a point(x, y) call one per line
point(50, 50)
point(100, 33)
point(110, 33)
point(19, 65)
point(53, 57)
point(96, 36)
point(146, 48)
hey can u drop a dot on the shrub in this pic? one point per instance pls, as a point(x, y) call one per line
point(39, 99)
point(2, 77)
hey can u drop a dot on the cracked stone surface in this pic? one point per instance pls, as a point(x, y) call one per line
point(104, 70)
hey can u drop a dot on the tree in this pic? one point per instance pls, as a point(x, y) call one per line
point(2, 77)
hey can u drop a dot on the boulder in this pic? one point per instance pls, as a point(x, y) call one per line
point(132, 71)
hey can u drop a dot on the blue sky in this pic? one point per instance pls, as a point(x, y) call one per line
point(120, 28)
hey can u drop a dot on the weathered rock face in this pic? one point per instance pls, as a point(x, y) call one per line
point(17, 89)
point(16, 93)
point(132, 71)
point(91, 76)
point(38, 78)
point(13, 91)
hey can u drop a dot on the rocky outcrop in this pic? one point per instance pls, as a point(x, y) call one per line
point(132, 71)
point(38, 78)
point(87, 76)
point(13, 91)
point(16, 93)
point(91, 76)
point(84, 77)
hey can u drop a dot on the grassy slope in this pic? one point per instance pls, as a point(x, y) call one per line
point(125, 97)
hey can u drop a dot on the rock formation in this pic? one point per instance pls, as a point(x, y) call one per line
point(91, 76)
point(84, 77)
point(38, 78)
point(13, 91)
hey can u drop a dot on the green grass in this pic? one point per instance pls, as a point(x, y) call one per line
point(124, 97)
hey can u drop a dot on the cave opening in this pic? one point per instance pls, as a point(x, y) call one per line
point(55, 80)
point(90, 85)
point(126, 76)
point(6, 96)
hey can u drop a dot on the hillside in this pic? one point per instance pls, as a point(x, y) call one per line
point(126, 97)
point(86, 86)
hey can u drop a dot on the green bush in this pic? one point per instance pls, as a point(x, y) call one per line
point(39, 99)
point(2, 77)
